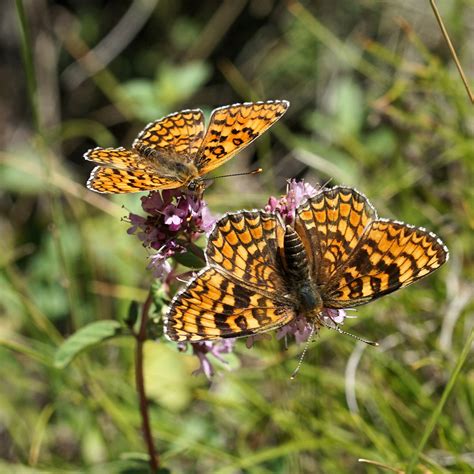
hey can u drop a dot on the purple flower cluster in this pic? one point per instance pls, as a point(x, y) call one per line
point(301, 329)
point(173, 220)
point(206, 348)
point(296, 193)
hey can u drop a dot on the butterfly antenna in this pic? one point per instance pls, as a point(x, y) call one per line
point(258, 170)
point(305, 350)
point(340, 331)
point(323, 186)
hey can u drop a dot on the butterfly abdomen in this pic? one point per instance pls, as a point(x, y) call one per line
point(296, 261)
point(295, 254)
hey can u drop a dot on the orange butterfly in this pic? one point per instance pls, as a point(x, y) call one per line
point(174, 151)
point(262, 274)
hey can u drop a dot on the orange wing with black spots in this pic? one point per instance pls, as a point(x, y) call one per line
point(214, 306)
point(389, 255)
point(357, 257)
point(331, 224)
point(178, 133)
point(114, 180)
point(115, 157)
point(242, 290)
point(174, 151)
point(234, 127)
point(244, 245)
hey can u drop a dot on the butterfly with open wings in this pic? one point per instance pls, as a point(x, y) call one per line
point(176, 151)
point(262, 274)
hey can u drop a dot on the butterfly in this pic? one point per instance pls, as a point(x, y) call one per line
point(261, 274)
point(175, 152)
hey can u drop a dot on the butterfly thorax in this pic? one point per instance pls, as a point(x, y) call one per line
point(297, 267)
point(169, 163)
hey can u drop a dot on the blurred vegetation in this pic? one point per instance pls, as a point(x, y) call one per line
point(376, 103)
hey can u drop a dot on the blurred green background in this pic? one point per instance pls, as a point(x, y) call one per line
point(376, 103)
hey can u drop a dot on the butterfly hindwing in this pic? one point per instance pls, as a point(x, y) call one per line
point(113, 180)
point(244, 246)
point(389, 255)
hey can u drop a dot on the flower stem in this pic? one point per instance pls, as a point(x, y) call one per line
point(140, 384)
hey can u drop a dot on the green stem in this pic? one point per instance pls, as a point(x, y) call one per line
point(140, 384)
point(452, 50)
point(28, 62)
point(437, 411)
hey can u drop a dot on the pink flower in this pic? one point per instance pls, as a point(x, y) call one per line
point(173, 219)
point(301, 328)
point(296, 193)
point(203, 349)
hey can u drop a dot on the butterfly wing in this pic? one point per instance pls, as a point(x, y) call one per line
point(114, 180)
point(180, 133)
point(330, 225)
point(176, 137)
point(242, 290)
point(389, 255)
point(233, 127)
point(115, 157)
point(357, 257)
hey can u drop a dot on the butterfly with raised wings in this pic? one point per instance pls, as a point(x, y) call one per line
point(176, 151)
point(261, 274)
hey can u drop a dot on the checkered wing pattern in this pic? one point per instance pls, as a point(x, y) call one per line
point(242, 291)
point(331, 224)
point(115, 157)
point(233, 127)
point(179, 133)
point(114, 180)
point(358, 257)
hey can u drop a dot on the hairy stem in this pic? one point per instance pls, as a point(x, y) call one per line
point(140, 384)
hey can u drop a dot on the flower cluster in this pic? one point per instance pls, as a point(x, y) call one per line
point(206, 348)
point(173, 220)
point(296, 193)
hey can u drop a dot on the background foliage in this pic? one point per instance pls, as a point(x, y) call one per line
point(376, 103)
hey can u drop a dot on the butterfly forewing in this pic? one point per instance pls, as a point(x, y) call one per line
point(244, 245)
point(178, 133)
point(390, 255)
point(233, 127)
point(330, 225)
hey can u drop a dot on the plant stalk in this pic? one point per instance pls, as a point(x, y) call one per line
point(140, 384)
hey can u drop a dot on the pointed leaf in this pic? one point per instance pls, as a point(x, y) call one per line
point(83, 339)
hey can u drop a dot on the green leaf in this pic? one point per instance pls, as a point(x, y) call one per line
point(83, 339)
point(132, 314)
point(189, 260)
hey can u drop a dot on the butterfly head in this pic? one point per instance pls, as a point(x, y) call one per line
point(197, 186)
